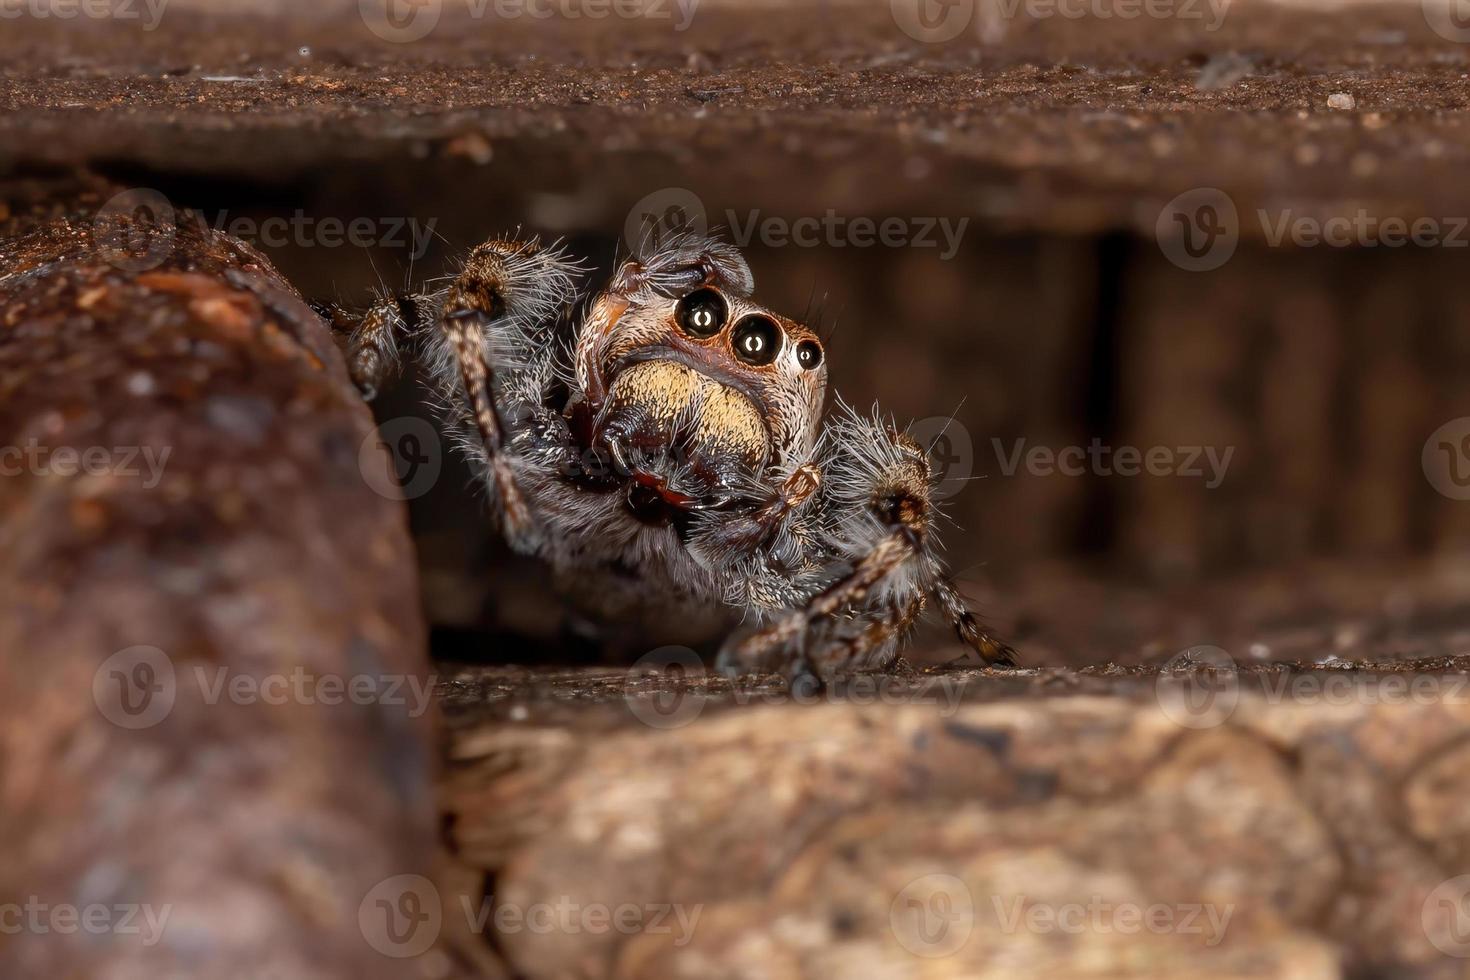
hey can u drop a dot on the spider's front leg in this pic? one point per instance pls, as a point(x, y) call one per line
point(490, 350)
point(878, 514)
point(492, 353)
point(371, 339)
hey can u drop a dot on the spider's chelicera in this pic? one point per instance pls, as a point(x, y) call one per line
point(670, 428)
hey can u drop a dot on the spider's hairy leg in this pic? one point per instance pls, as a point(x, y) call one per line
point(968, 627)
point(497, 309)
point(371, 339)
point(805, 638)
point(856, 644)
point(877, 497)
point(733, 537)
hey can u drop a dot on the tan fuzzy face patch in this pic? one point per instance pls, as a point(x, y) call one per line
point(728, 418)
point(663, 388)
point(714, 414)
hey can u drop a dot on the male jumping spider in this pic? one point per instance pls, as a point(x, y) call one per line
point(667, 431)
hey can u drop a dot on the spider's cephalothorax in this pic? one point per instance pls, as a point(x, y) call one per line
point(667, 431)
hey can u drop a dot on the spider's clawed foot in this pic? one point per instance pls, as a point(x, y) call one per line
point(795, 646)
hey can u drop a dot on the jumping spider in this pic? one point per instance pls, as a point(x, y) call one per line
point(667, 431)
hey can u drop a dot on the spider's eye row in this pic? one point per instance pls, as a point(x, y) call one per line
point(757, 340)
point(809, 354)
point(702, 313)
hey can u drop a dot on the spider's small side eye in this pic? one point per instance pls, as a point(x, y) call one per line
point(809, 354)
point(702, 313)
point(757, 340)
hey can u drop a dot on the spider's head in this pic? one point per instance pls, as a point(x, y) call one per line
point(701, 375)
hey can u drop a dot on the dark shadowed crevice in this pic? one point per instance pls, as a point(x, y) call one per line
point(1099, 380)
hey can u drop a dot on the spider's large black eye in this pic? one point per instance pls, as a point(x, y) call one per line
point(757, 340)
point(702, 313)
point(809, 354)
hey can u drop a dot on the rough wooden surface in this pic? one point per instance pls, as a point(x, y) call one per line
point(182, 615)
point(1275, 775)
point(1262, 822)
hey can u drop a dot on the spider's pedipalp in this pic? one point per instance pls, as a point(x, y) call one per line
point(680, 261)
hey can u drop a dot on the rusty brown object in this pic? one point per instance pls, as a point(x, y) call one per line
point(194, 561)
point(1242, 822)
